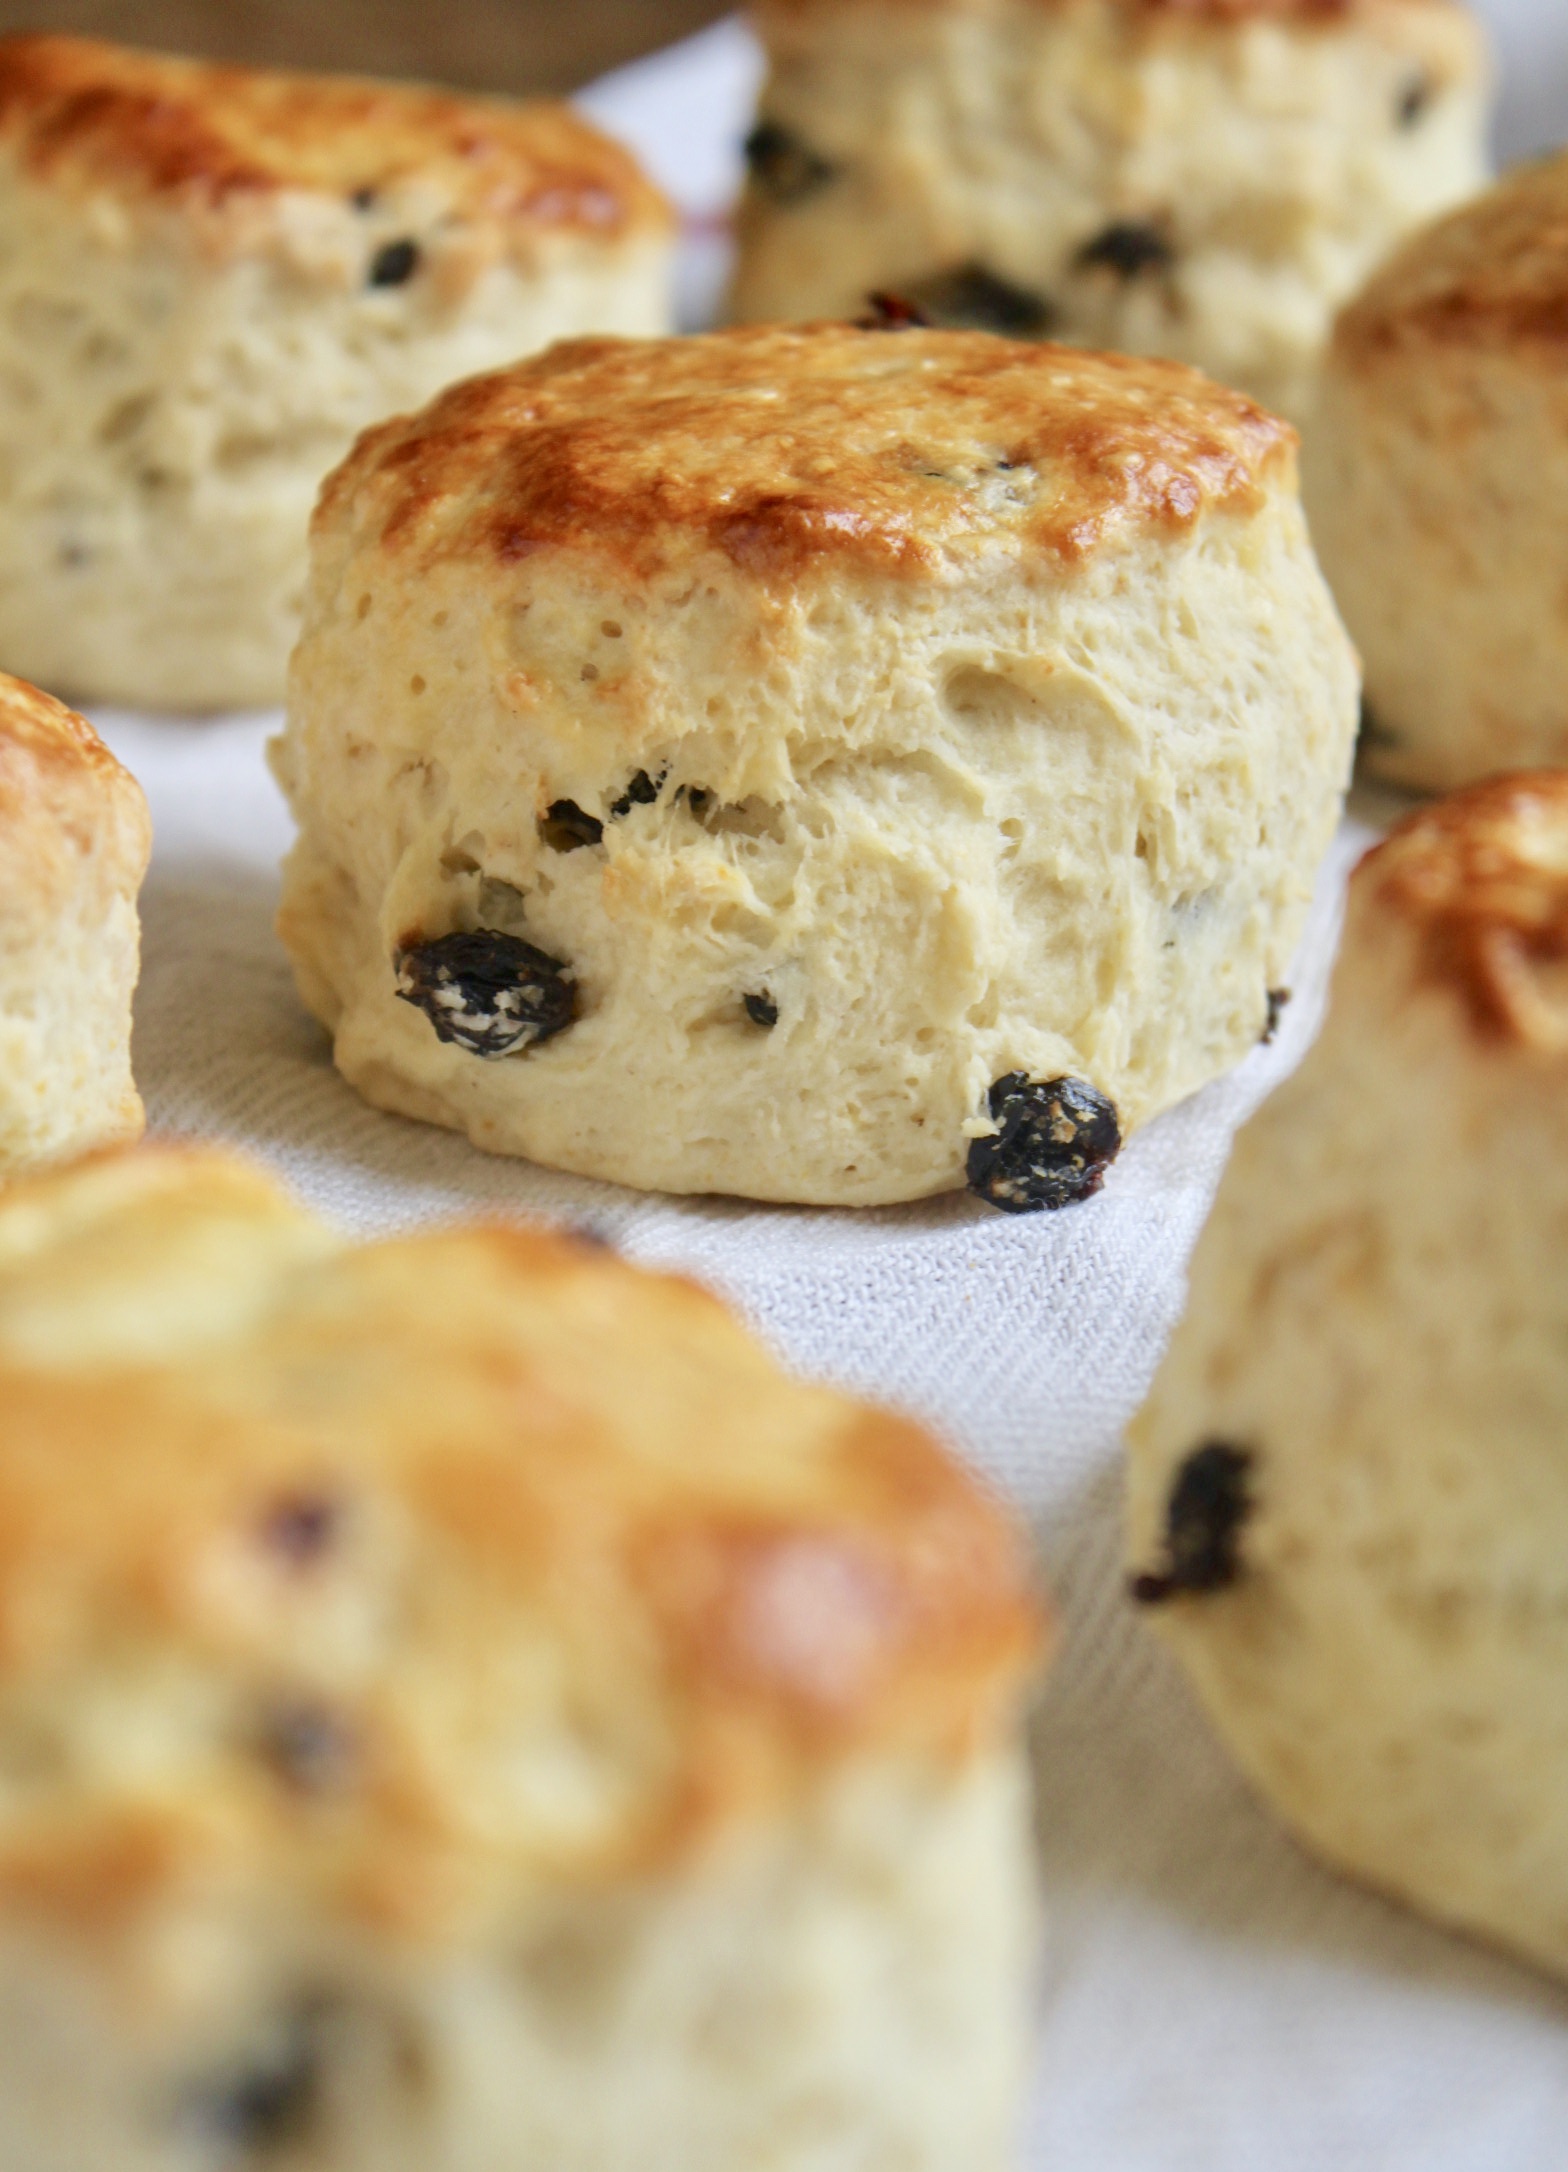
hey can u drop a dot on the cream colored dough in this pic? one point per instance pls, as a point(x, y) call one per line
point(182, 360)
point(1209, 185)
point(74, 842)
point(1435, 485)
point(428, 1745)
point(994, 814)
point(1375, 1319)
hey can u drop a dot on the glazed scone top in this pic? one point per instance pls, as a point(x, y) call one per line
point(63, 796)
point(1492, 273)
point(88, 116)
point(788, 448)
point(413, 1573)
point(1480, 879)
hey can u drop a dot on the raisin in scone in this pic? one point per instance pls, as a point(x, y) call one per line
point(1349, 1489)
point(211, 279)
point(463, 1706)
point(1436, 484)
point(1207, 179)
point(815, 764)
point(74, 842)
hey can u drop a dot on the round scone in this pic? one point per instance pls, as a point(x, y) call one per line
point(1207, 179)
point(810, 763)
point(462, 1705)
point(74, 843)
point(1435, 485)
point(211, 279)
point(1349, 1495)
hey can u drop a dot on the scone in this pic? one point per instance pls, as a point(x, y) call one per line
point(74, 843)
point(211, 279)
point(814, 764)
point(463, 1706)
point(1436, 482)
point(1207, 179)
point(1349, 1492)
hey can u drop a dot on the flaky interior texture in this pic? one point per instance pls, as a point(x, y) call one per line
point(168, 413)
point(1062, 823)
point(1375, 1320)
point(1146, 180)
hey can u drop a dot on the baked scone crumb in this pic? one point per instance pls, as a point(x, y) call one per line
point(211, 279)
point(1347, 1495)
point(74, 844)
point(846, 760)
point(1433, 484)
point(462, 1702)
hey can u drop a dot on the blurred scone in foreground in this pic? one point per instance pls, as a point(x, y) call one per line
point(1349, 1487)
point(1206, 179)
point(462, 1706)
point(210, 280)
point(1436, 484)
point(74, 841)
point(812, 764)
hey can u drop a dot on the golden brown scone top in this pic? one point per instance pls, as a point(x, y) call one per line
point(62, 795)
point(788, 448)
point(1491, 273)
point(435, 1568)
point(81, 113)
point(1481, 880)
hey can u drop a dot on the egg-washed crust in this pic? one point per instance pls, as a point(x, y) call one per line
point(1481, 880)
point(787, 448)
point(84, 114)
point(60, 785)
point(581, 1502)
point(1491, 274)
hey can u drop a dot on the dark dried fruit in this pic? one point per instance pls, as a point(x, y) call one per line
point(1414, 100)
point(1277, 999)
point(308, 1747)
point(1210, 1502)
point(301, 1528)
point(891, 313)
point(1128, 247)
point(394, 263)
point(761, 1009)
point(641, 792)
point(973, 299)
point(490, 993)
point(271, 2101)
point(784, 166)
point(565, 826)
point(1053, 1143)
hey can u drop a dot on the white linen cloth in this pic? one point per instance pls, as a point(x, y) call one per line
point(1213, 2002)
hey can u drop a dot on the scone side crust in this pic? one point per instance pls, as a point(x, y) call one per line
point(1492, 272)
point(780, 447)
point(824, 1584)
point(1481, 879)
point(153, 125)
